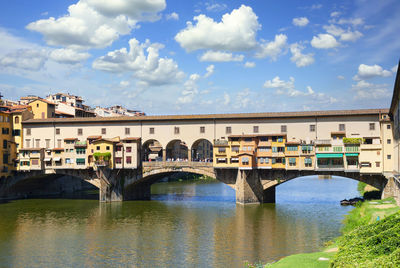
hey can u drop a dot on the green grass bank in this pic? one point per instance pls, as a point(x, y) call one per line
point(370, 238)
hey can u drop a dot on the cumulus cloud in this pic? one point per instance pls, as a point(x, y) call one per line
point(272, 49)
point(249, 64)
point(365, 90)
point(370, 71)
point(301, 21)
point(288, 88)
point(218, 56)
point(190, 89)
point(227, 99)
point(335, 14)
point(215, 7)
point(68, 56)
point(150, 69)
point(172, 16)
point(96, 23)
point(210, 70)
point(26, 59)
point(345, 35)
point(298, 57)
point(353, 21)
point(324, 41)
point(235, 32)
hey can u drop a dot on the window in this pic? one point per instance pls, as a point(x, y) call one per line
point(312, 128)
point(245, 160)
point(388, 126)
point(221, 150)
point(4, 144)
point(342, 127)
point(151, 130)
point(103, 131)
point(35, 162)
point(128, 149)
point(292, 161)
point(16, 132)
point(118, 160)
point(59, 143)
point(37, 104)
point(235, 149)
point(371, 126)
point(127, 131)
point(202, 129)
point(377, 164)
point(389, 141)
point(27, 143)
point(37, 143)
point(80, 131)
point(80, 161)
point(57, 131)
point(176, 130)
point(28, 132)
point(283, 128)
point(119, 149)
point(108, 148)
point(129, 159)
point(228, 130)
point(389, 156)
point(255, 129)
point(5, 131)
point(307, 162)
point(16, 120)
point(263, 138)
point(291, 148)
point(98, 148)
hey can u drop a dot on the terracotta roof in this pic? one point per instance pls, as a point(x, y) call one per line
point(94, 137)
point(269, 115)
point(131, 139)
point(59, 112)
point(71, 139)
point(46, 101)
point(58, 149)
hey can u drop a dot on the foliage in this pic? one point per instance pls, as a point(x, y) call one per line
point(353, 140)
point(361, 187)
point(374, 245)
point(102, 156)
point(302, 261)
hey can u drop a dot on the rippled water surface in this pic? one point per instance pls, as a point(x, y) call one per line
point(191, 224)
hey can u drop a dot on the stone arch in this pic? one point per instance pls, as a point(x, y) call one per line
point(177, 150)
point(202, 150)
point(152, 150)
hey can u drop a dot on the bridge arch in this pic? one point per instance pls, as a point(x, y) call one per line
point(202, 150)
point(177, 150)
point(152, 150)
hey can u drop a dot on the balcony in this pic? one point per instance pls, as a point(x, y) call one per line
point(322, 142)
point(220, 143)
point(102, 163)
point(370, 147)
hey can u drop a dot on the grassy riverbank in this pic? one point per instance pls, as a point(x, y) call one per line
point(370, 238)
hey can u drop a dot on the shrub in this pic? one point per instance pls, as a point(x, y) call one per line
point(352, 140)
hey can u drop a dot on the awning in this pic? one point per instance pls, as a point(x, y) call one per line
point(47, 159)
point(57, 159)
point(329, 155)
point(351, 154)
point(221, 159)
point(233, 158)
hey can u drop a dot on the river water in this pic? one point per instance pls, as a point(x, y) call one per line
point(187, 224)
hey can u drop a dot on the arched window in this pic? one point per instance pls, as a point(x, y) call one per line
point(16, 120)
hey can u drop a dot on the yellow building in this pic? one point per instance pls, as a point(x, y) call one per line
point(8, 152)
point(101, 152)
point(42, 109)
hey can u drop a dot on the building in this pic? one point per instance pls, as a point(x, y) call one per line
point(42, 108)
point(68, 105)
point(116, 110)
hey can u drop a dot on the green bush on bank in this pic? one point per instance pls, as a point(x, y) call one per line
point(373, 245)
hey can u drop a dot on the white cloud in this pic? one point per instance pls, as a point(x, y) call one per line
point(191, 89)
point(288, 88)
point(354, 21)
point(26, 59)
point(316, 6)
point(335, 14)
point(218, 56)
point(236, 32)
point(301, 21)
point(216, 7)
point(365, 90)
point(124, 83)
point(172, 16)
point(340, 77)
point(150, 70)
point(370, 71)
point(227, 99)
point(345, 35)
point(96, 23)
point(249, 64)
point(272, 49)
point(243, 98)
point(299, 58)
point(394, 68)
point(210, 70)
point(324, 41)
point(68, 56)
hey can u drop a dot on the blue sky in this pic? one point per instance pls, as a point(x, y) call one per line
point(188, 57)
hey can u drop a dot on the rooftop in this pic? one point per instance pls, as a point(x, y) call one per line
point(267, 115)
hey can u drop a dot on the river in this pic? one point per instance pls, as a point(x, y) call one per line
point(187, 224)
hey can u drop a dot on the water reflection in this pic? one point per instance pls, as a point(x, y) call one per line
point(200, 225)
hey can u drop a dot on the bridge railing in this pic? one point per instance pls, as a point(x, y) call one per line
point(176, 164)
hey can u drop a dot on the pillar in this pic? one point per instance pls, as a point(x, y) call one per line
point(189, 155)
point(248, 187)
point(111, 185)
point(164, 154)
